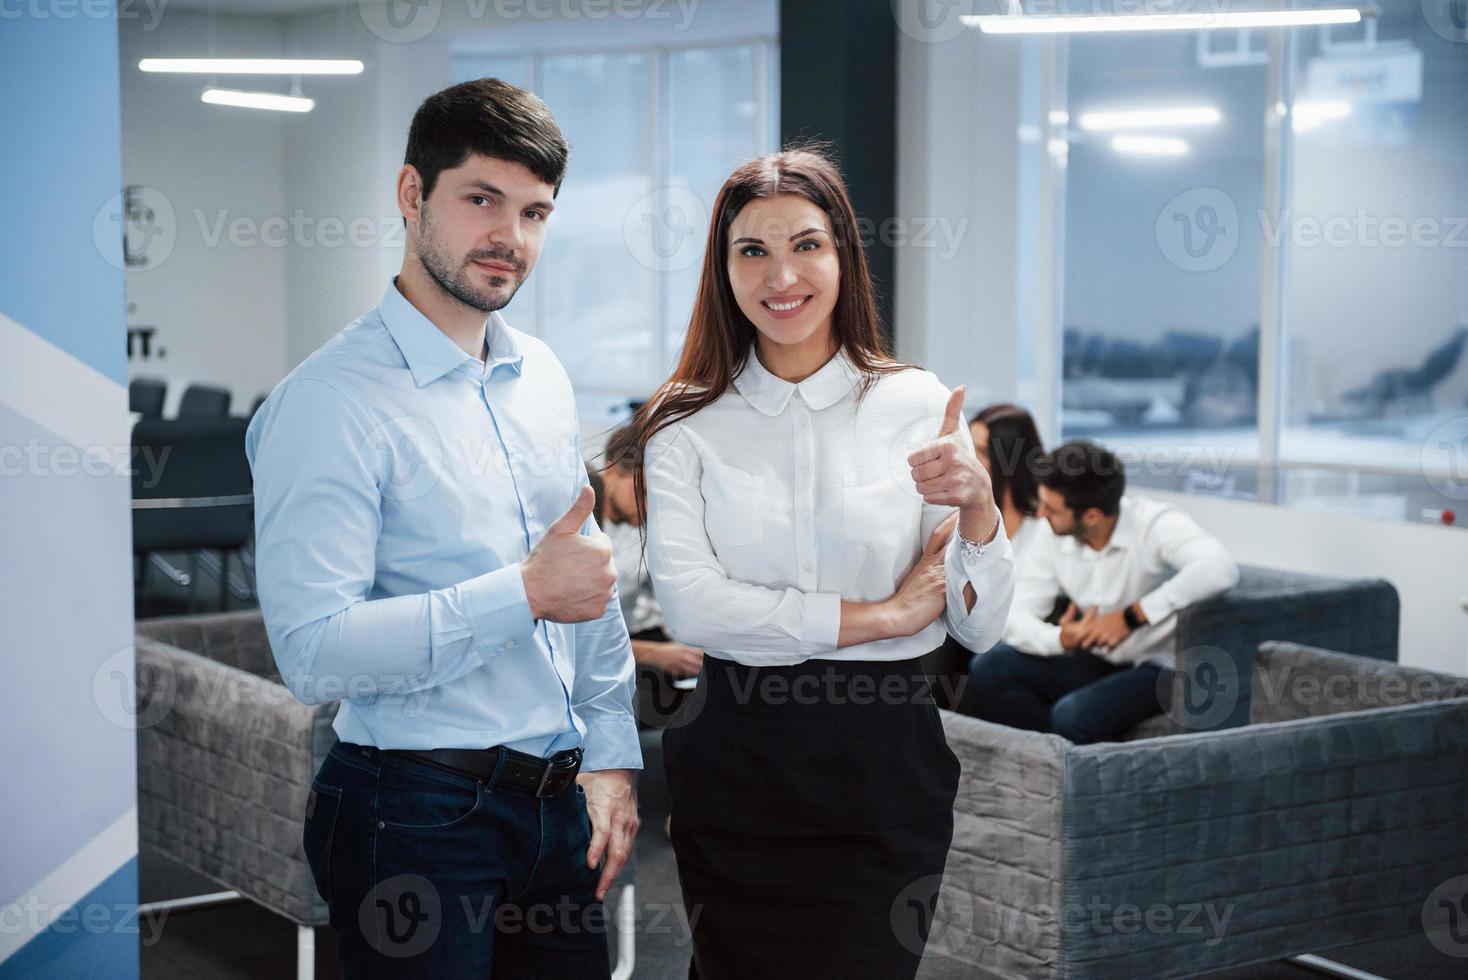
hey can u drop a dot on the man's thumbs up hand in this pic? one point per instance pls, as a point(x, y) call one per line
point(569, 575)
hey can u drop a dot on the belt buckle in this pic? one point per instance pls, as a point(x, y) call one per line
point(545, 775)
point(552, 769)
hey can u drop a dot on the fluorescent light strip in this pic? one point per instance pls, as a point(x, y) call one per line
point(1162, 146)
point(1097, 122)
point(257, 100)
point(252, 66)
point(1102, 23)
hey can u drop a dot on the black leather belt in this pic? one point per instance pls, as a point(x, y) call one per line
point(500, 766)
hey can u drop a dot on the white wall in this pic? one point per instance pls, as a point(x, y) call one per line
point(1428, 565)
point(218, 302)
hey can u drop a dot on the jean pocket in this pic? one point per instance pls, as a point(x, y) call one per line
point(409, 798)
point(323, 806)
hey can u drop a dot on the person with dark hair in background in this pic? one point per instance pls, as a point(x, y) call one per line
point(1128, 563)
point(427, 556)
point(1008, 445)
point(662, 662)
point(816, 516)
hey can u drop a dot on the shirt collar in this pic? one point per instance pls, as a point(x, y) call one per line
point(770, 394)
point(429, 352)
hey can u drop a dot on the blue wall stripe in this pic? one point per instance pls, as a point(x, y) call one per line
point(97, 938)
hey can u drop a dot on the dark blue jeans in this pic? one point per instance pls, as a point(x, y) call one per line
point(429, 874)
point(1076, 695)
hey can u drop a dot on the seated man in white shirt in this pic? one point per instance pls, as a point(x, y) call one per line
point(1128, 564)
point(665, 668)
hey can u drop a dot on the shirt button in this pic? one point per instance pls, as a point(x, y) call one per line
point(807, 567)
point(509, 645)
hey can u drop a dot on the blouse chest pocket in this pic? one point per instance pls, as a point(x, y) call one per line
point(734, 506)
point(875, 510)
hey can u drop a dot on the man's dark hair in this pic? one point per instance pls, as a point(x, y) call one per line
point(621, 449)
point(491, 118)
point(1085, 475)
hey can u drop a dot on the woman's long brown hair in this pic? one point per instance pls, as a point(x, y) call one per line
point(720, 336)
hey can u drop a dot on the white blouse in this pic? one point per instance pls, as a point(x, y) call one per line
point(774, 503)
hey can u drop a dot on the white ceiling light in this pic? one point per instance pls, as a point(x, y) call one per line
point(252, 66)
point(1161, 146)
point(258, 100)
point(1101, 23)
point(1145, 118)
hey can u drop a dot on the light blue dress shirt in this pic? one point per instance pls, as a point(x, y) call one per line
point(399, 483)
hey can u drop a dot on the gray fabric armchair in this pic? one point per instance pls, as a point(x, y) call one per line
point(1329, 819)
point(226, 755)
point(1357, 616)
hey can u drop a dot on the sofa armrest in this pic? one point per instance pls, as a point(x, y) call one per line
point(1004, 864)
point(1299, 836)
point(234, 638)
point(225, 761)
point(1291, 681)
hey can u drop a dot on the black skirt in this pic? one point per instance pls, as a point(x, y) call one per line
point(812, 810)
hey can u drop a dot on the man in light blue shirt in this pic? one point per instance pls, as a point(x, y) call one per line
point(427, 557)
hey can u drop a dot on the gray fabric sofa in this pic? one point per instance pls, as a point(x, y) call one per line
point(226, 755)
point(1329, 819)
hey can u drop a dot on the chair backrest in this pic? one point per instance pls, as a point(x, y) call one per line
point(1216, 639)
point(204, 402)
point(145, 396)
point(191, 484)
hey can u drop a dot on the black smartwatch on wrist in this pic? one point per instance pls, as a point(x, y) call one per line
point(1133, 621)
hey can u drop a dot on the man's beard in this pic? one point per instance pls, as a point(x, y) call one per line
point(453, 278)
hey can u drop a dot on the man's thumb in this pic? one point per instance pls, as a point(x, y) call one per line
point(570, 522)
point(953, 412)
point(1071, 614)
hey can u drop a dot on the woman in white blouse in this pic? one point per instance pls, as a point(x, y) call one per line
point(800, 490)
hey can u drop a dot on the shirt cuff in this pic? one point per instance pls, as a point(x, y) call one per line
point(821, 623)
point(960, 569)
point(497, 611)
point(611, 743)
point(1156, 606)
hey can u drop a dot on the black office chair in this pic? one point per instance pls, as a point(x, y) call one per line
point(204, 402)
point(192, 491)
point(145, 396)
